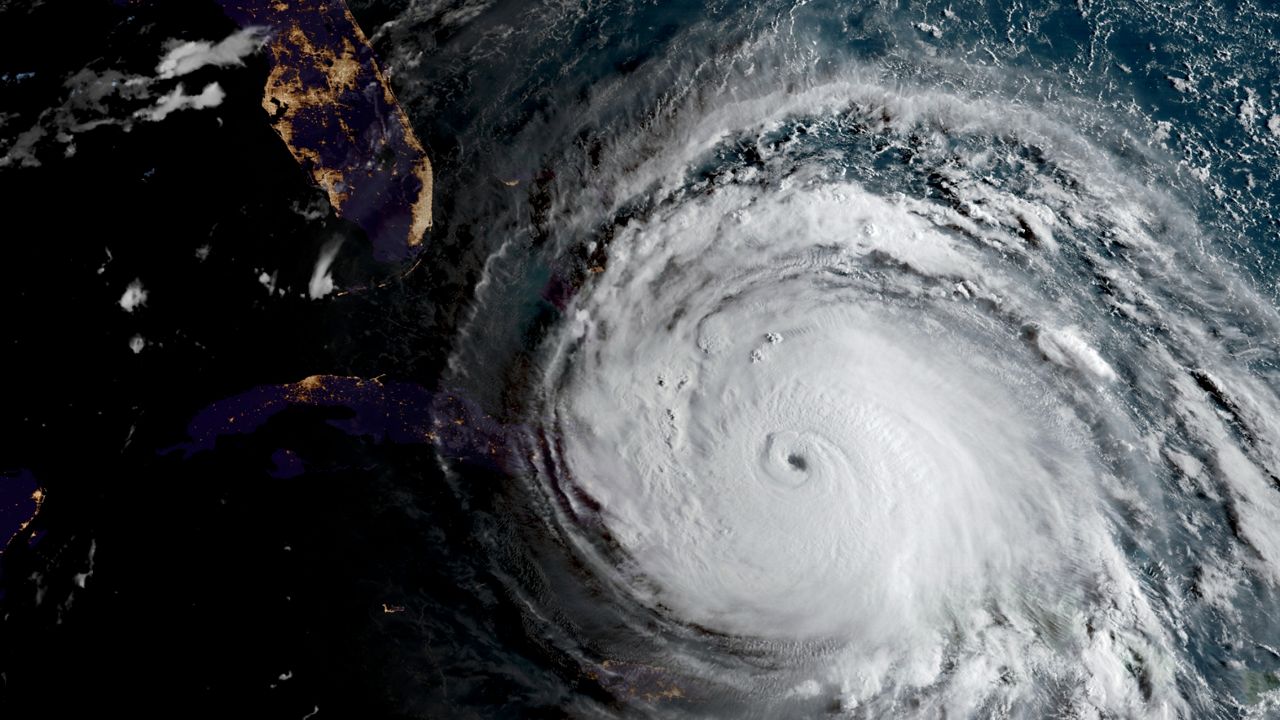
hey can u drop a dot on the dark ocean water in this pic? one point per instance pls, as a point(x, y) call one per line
point(772, 359)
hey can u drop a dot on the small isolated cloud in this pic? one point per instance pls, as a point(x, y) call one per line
point(136, 343)
point(268, 281)
point(134, 296)
point(1065, 347)
point(187, 57)
point(80, 578)
point(211, 96)
point(321, 279)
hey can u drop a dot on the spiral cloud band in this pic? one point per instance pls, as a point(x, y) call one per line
point(917, 401)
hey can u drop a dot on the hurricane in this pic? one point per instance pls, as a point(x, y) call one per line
point(876, 361)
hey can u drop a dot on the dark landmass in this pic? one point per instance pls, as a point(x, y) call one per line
point(332, 106)
point(20, 498)
point(159, 586)
point(382, 412)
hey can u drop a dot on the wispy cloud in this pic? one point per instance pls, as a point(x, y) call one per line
point(95, 97)
point(321, 279)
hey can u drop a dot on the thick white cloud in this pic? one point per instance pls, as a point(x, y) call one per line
point(187, 57)
point(134, 296)
point(178, 99)
point(1065, 347)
